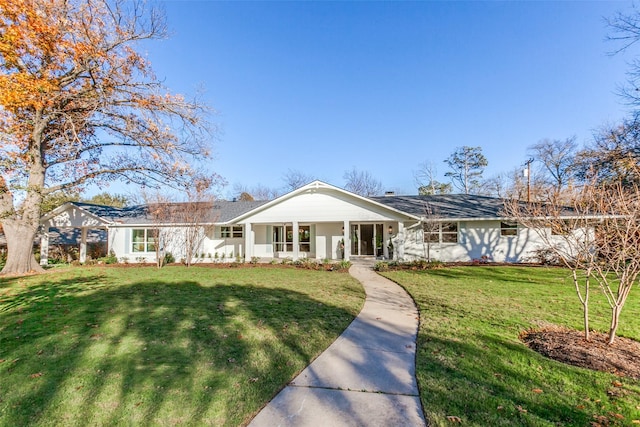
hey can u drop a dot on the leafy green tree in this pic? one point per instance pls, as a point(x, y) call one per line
point(425, 178)
point(107, 199)
point(434, 187)
point(467, 166)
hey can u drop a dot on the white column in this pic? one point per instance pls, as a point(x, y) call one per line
point(347, 241)
point(83, 245)
point(400, 240)
point(44, 247)
point(385, 238)
point(296, 241)
point(249, 240)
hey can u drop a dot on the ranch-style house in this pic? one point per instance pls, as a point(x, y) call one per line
point(317, 221)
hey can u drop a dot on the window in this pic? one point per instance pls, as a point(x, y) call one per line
point(231, 232)
point(561, 228)
point(143, 240)
point(508, 229)
point(445, 232)
point(283, 238)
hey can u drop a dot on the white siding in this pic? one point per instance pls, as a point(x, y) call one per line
point(328, 237)
point(475, 240)
point(73, 217)
point(316, 207)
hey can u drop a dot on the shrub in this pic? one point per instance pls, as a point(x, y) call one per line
point(344, 265)
point(169, 258)
point(254, 260)
point(110, 259)
point(381, 266)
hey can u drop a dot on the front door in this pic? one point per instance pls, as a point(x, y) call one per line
point(367, 244)
point(363, 240)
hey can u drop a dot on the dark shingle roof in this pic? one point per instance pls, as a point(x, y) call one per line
point(218, 211)
point(456, 206)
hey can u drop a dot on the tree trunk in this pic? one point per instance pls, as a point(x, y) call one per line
point(20, 259)
point(615, 315)
point(585, 308)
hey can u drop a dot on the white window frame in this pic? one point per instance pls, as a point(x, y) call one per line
point(443, 232)
point(148, 242)
point(232, 232)
point(508, 228)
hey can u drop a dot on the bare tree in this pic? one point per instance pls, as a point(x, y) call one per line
point(257, 192)
point(427, 182)
point(613, 156)
point(625, 32)
point(597, 238)
point(557, 158)
point(294, 179)
point(515, 185)
point(180, 227)
point(158, 207)
point(362, 183)
point(467, 165)
point(196, 217)
point(431, 225)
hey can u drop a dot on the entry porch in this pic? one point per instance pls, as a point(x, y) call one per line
point(322, 240)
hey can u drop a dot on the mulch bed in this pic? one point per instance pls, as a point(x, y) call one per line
point(621, 358)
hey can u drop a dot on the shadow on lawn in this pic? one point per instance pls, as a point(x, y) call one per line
point(485, 387)
point(153, 352)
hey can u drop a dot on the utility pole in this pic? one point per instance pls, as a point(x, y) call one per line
point(527, 172)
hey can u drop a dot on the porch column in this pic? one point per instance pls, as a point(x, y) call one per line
point(400, 240)
point(83, 245)
point(249, 240)
point(385, 239)
point(296, 240)
point(44, 247)
point(347, 241)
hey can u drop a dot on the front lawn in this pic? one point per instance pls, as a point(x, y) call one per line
point(142, 346)
point(473, 370)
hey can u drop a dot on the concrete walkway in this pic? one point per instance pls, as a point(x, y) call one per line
point(367, 376)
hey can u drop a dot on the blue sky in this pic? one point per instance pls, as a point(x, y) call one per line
point(322, 87)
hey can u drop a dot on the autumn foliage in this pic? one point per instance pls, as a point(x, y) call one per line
point(79, 104)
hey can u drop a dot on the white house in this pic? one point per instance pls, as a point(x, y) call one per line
point(317, 221)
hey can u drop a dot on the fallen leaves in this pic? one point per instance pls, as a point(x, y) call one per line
point(454, 419)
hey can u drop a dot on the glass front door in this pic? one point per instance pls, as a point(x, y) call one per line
point(363, 238)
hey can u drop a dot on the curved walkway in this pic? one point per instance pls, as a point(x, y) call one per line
point(367, 376)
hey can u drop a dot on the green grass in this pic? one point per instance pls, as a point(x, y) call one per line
point(142, 346)
point(471, 364)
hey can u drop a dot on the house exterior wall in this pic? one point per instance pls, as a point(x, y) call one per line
point(477, 240)
point(317, 207)
point(328, 238)
point(173, 238)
